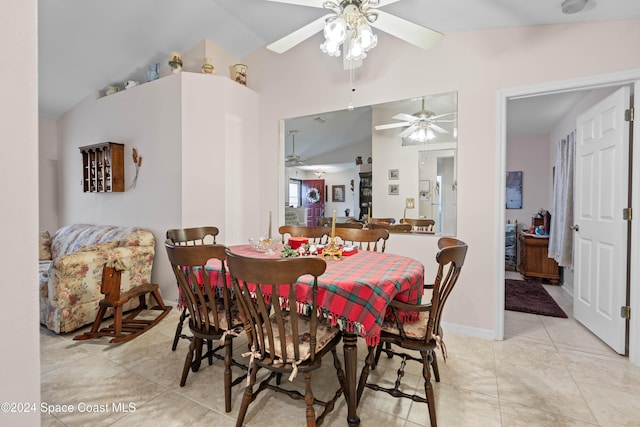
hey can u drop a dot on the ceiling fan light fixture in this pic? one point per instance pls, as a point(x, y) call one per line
point(335, 31)
point(330, 49)
point(356, 50)
point(368, 39)
point(351, 22)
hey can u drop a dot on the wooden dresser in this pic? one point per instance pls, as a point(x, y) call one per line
point(534, 261)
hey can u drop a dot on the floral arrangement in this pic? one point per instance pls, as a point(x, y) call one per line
point(313, 195)
point(137, 162)
point(303, 250)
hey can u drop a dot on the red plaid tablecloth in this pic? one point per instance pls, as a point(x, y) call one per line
point(355, 292)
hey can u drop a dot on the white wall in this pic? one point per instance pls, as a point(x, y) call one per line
point(147, 117)
point(342, 177)
point(529, 154)
point(48, 174)
point(478, 65)
point(190, 130)
point(19, 332)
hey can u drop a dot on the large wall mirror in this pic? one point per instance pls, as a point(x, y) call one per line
point(392, 160)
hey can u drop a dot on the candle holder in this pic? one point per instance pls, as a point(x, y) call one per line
point(332, 250)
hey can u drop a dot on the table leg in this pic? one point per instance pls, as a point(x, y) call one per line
point(351, 364)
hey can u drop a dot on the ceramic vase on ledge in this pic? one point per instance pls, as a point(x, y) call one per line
point(207, 67)
point(175, 62)
point(239, 73)
point(153, 72)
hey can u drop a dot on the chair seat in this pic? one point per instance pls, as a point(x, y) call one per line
point(415, 330)
point(324, 335)
point(236, 322)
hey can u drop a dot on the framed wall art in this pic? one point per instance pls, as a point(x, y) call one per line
point(394, 189)
point(514, 190)
point(337, 192)
point(394, 174)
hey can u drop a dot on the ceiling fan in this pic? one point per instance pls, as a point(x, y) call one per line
point(348, 23)
point(293, 159)
point(420, 125)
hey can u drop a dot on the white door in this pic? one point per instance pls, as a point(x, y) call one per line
point(601, 193)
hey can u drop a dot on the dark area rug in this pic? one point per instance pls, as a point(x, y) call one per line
point(530, 297)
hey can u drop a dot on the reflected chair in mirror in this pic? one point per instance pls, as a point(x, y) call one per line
point(393, 228)
point(213, 315)
point(283, 341)
point(423, 335)
point(365, 239)
point(324, 222)
point(189, 237)
point(382, 221)
point(315, 234)
point(354, 224)
point(419, 225)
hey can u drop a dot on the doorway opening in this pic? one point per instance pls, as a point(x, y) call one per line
point(587, 84)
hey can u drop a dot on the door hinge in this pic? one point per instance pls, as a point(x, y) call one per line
point(625, 312)
point(626, 214)
point(628, 115)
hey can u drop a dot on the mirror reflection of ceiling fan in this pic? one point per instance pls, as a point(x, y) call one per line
point(420, 125)
point(293, 159)
point(349, 22)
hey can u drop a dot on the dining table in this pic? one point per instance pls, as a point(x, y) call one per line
point(353, 294)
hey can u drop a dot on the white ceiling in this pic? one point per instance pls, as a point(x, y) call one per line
point(86, 45)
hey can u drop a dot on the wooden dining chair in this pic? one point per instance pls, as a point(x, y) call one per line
point(213, 315)
point(365, 239)
point(324, 222)
point(423, 225)
point(350, 224)
point(283, 341)
point(315, 234)
point(393, 228)
point(189, 237)
point(423, 335)
point(382, 220)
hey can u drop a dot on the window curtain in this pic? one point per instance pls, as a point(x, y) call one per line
point(561, 235)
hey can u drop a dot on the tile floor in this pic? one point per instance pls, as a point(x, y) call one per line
point(546, 372)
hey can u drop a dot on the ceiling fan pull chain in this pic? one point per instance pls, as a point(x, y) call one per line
point(353, 88)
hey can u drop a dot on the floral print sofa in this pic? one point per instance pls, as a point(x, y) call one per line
point(71, 276)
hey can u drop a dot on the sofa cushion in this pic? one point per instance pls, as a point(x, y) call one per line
point(44, 246)
point(70, 238)
point(131, 236)
point(100, 247)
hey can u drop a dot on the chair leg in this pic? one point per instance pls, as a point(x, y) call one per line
point(197, 360)
point(428, 388)
point(377, 357)
point(187, 363)
point(338, 366)
point(434, 366)
point(176, 337)
point(308, 398)
point(210, 351)
point(247, 397)
point(227, 372)
point(368, 362)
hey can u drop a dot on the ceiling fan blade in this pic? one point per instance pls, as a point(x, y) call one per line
point(392, 125)
point(415, 34)
point(310, 3)
point(441, 115)
point(408, 131)
point(406, 117)
point(437, 128)
point(298, 36)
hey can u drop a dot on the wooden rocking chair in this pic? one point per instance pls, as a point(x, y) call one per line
point(123, 328)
